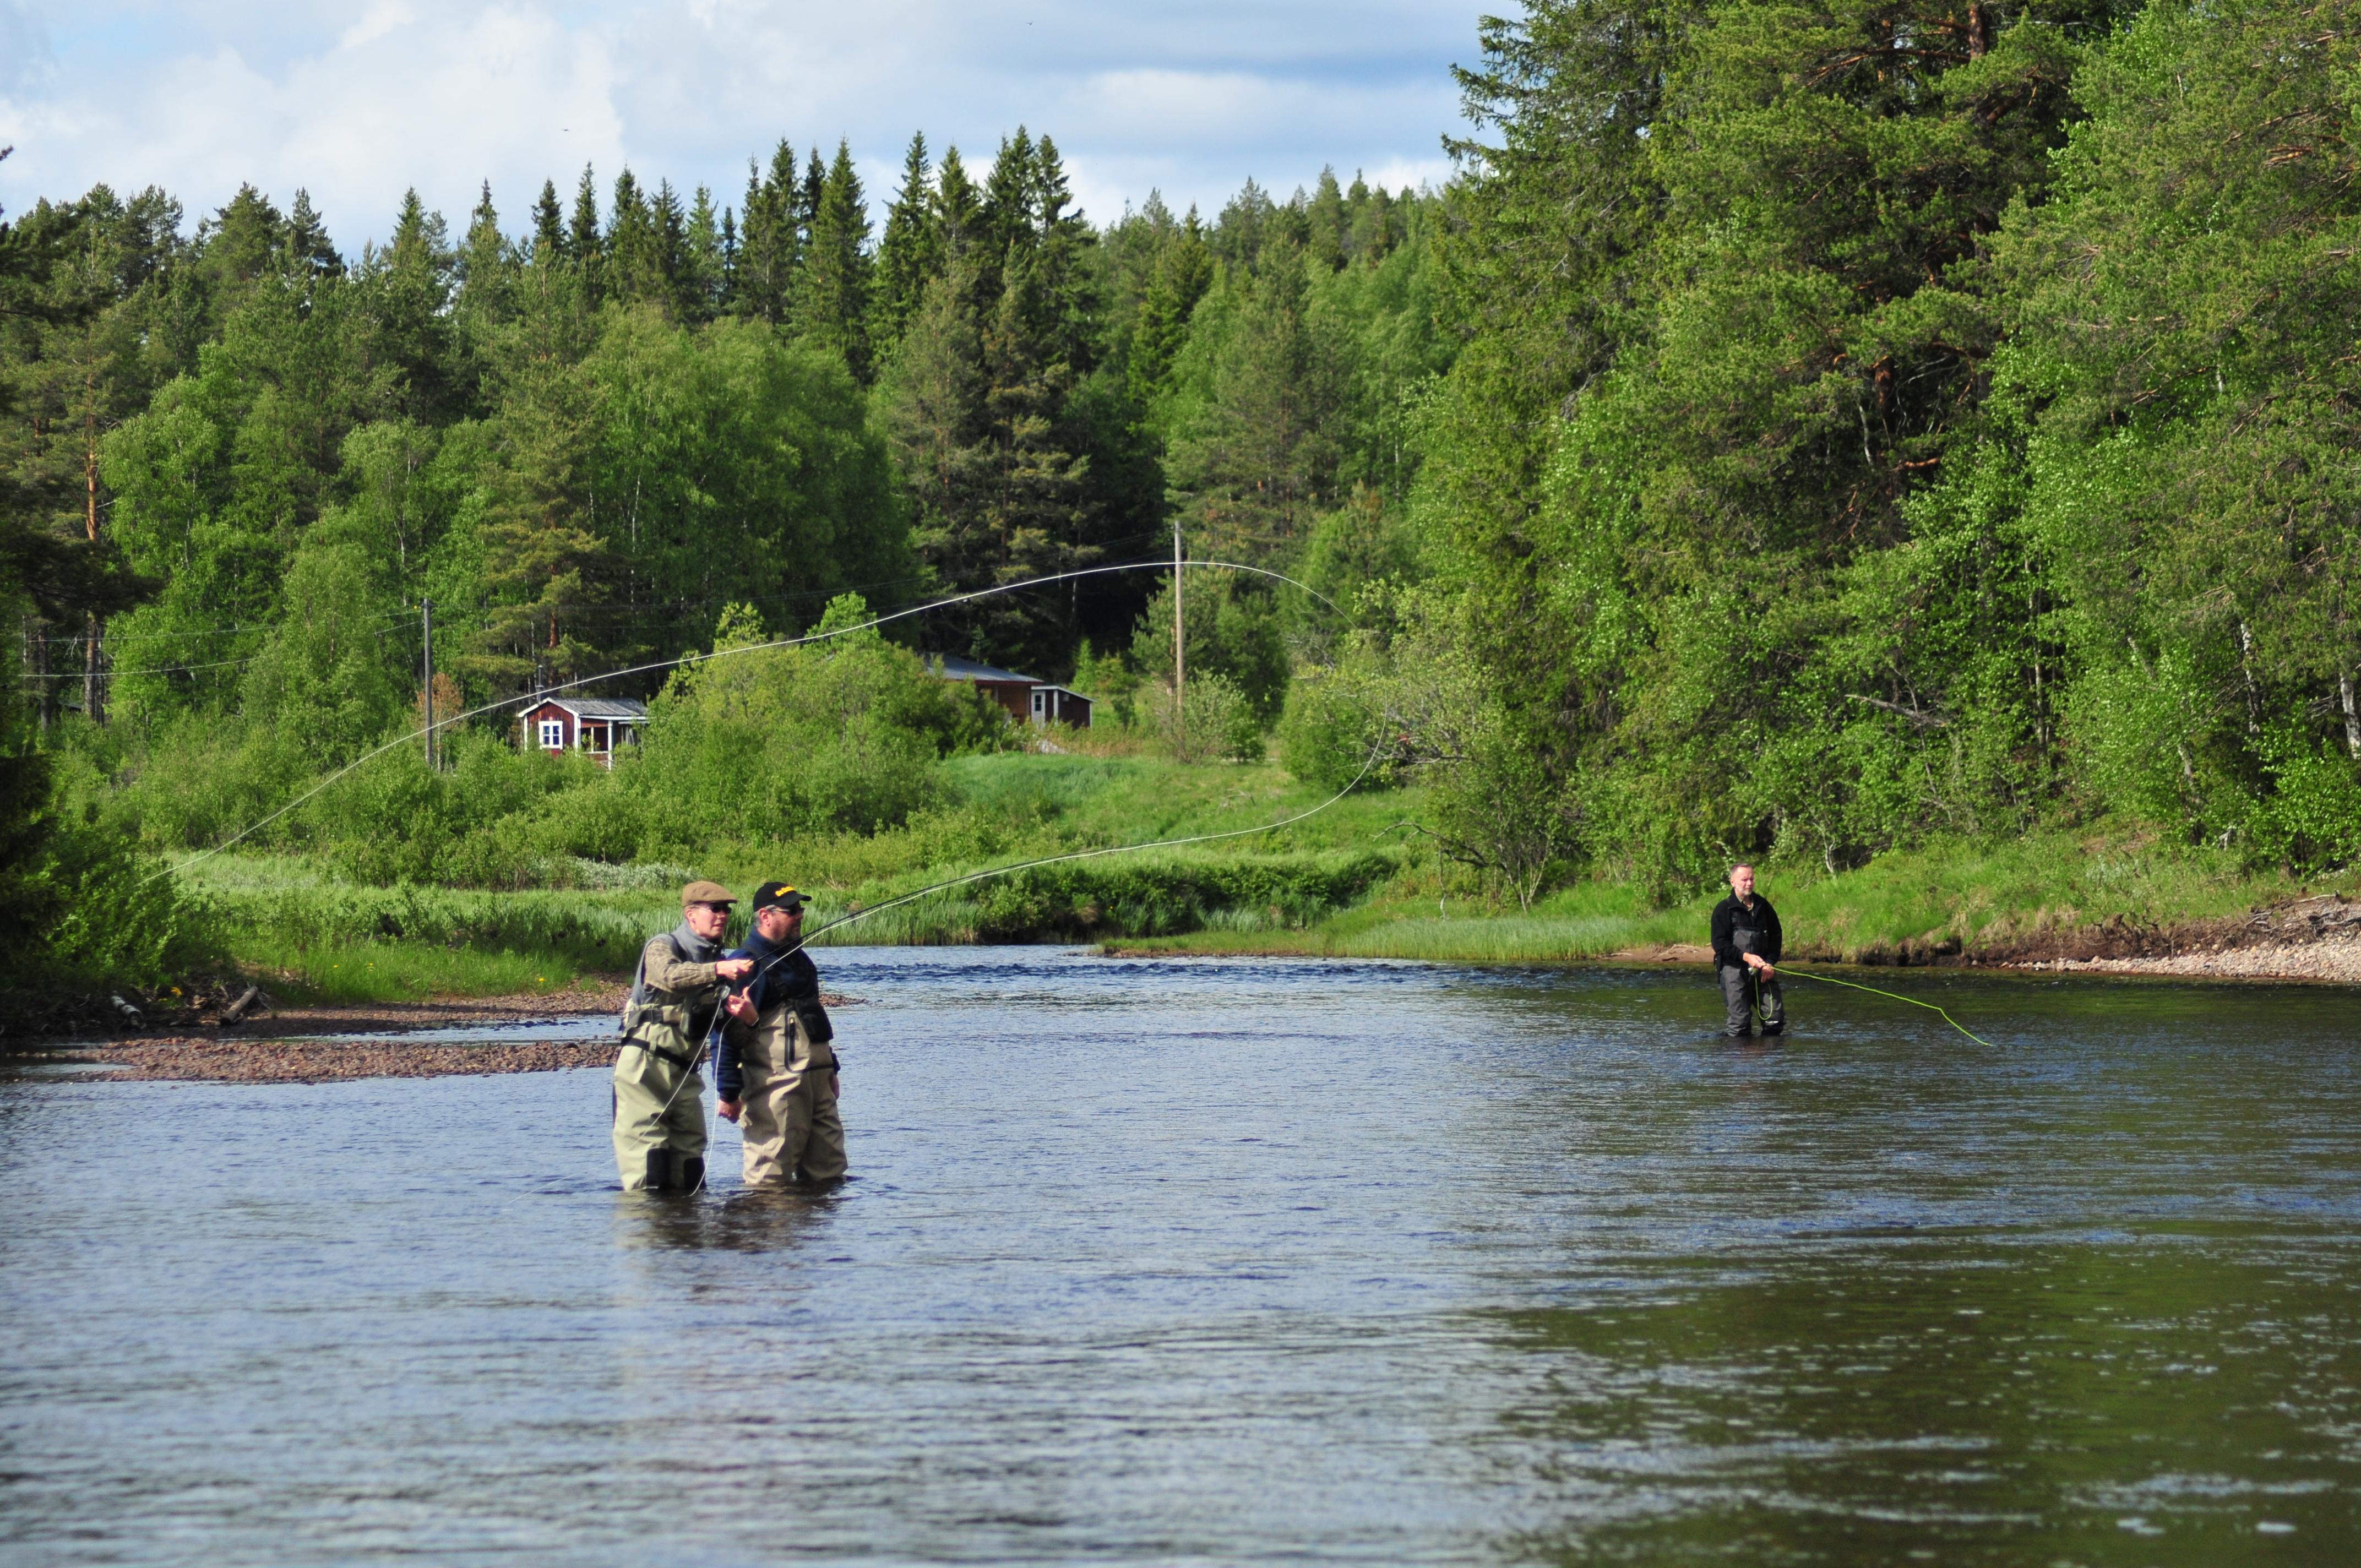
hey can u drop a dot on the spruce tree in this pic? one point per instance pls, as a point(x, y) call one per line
point(486, 282)
point(706, 260)
point(549, 223)
point(307, 249)
point(633, 251)
point(485, 251)
point(770, 244)
point(582, 237)
point(1330, 225)
point(412, 280)
point(1184, 271)
point(807, 197)
point(831, 305)
point(1011, 199)
point(957, 209)
point(669, 283)
point(910, 254)
point(1065, 319)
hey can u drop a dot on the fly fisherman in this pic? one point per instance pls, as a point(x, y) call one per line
point(1746, 941)
point(772, 1061)
point(659, 1112)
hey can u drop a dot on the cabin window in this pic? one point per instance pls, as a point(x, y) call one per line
point(552, 734)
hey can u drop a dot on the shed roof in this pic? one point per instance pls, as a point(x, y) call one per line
point(596, 707)
point(958, 669)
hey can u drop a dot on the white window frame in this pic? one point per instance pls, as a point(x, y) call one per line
point(553, 735)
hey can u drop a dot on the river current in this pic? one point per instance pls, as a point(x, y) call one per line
point(1235, 1261)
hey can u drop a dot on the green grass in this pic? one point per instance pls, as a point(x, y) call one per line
point(291, 922)
point(1907, 906)
point(1351, 882)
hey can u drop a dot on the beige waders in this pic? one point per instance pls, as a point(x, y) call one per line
point(793, 1132)
point(659, 1123)
point(659, 1114)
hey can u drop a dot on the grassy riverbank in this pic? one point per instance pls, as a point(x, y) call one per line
point(314, 935)
point(1996, 899)
point(1355, 880)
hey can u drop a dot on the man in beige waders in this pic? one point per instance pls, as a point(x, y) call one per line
point(659, 1116)
point(774, 1062)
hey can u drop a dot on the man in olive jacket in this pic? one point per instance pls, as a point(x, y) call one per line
point(678, 990)
point(1746, 941)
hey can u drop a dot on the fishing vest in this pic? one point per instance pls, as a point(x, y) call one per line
point(674, 1027)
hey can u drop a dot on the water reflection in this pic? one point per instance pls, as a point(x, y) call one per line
point(1228, 1261)
point(770, 1219)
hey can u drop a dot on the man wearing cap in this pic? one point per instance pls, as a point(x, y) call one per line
point(773, 1061)
point(679, 989)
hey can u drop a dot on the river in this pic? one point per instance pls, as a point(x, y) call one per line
point(1231, 1262)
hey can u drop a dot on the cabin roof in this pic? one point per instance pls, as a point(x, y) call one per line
point(595, 706)
point(958, 669)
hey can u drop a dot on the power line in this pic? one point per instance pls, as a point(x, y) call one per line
point(155, 670)
point(528, 700)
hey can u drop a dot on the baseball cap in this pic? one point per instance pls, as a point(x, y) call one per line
point(777, 896)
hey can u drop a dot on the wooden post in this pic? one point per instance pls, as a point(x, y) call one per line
point(1180, 658)
point(93, 695)
point(426, 615)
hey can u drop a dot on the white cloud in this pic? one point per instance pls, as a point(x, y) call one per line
point(358, 101)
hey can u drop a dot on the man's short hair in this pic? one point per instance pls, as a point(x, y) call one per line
point(1741, 866)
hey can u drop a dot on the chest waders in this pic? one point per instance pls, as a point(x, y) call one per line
point(659, 1117)
point(1746, 996)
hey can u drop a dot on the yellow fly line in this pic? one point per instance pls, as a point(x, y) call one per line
point(1873, 991)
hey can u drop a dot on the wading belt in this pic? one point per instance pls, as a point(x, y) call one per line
point(686, 1064)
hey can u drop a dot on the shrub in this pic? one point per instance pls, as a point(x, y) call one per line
point(1220, 723)
point(1328, 731)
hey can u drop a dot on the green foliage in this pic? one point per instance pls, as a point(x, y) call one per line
point(1799, 431)
point(1331, 730)
point(782, 742)
point(1235, 632)
point(81, 904)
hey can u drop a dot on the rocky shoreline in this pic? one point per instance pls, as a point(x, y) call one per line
point(323, 1061)
point(281, 1045)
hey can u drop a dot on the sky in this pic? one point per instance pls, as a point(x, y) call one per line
point(358, 101)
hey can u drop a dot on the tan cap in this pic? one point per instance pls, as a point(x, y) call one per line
point(705, 892)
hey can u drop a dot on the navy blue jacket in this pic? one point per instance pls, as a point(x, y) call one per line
point(793, 979)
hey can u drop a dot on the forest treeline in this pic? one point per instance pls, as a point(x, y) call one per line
point(1794, 432)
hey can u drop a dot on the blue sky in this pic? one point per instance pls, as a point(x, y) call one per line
point(356, 102)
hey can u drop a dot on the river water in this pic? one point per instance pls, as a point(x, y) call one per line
point(1216, 1261)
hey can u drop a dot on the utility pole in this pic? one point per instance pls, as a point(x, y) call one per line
point(1180, 658)
point(426, 614)
point(94, 689)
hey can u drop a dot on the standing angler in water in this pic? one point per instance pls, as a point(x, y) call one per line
point(659, 1112)
point(1746, 939)
point(774, 1060)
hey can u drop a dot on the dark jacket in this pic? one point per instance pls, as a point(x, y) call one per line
point(1730, 915)
point(793, 979)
